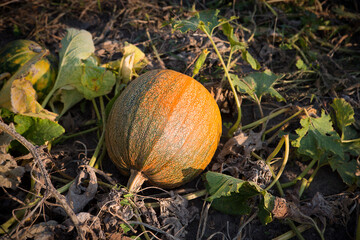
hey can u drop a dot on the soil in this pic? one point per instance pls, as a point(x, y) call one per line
point(113, 22)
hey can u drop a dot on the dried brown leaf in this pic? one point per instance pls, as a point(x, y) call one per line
point(78, 196)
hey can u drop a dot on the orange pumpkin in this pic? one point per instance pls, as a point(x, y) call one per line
point(164, 128)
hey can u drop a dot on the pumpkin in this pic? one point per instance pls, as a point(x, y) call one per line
point(164, 128)
point(42, 74)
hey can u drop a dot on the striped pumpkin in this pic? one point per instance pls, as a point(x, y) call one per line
point(42, 74)
point(164, 128)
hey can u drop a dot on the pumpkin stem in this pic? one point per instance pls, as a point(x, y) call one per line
point(136, 180)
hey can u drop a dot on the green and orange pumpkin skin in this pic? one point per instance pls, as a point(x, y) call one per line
point(42, 74)
point(165, 126)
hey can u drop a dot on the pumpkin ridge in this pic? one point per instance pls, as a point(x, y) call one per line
point(206, 153)
point(148, 83)
point(170, 112)
point(180, 148)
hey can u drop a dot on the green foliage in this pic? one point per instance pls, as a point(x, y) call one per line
point(95, 81)
point(200, 61)
point(259, 84)
point(344, 116)
point(36, 130)
point(301, 65)
point(231, 195)
point(206, 20)
point(228, 31)
point(318, 141)
point(80, 75)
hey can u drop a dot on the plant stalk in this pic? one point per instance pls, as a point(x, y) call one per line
point(283, 122)
point(286, 157)
point(264, 119)
point(238, 120)
point(301, 176)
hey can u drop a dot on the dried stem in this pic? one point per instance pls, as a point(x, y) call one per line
point(35, 151)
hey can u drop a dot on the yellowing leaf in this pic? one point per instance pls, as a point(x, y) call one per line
point(95, 80)
point(23, 100)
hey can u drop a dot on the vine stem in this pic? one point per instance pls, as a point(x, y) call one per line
point(283, 122)
point(238, 120)
point(35, 152)
point(286, 157)
point(102, 137)
point(301, 176)
point(308, 181)
point(264, 119)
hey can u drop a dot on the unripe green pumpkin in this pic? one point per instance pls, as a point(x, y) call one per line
point(42, 74)
point(164, 128)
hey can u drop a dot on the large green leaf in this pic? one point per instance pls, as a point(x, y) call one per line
point(77, 45)
point(79, 71)
point(37, 130)
point(231, 195)
point(258, 83)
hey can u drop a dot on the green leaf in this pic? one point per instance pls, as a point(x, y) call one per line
point(344, 114)
point(207, 20)
point(301, 65)
point(95, 80)
point(77, 45)
point(318, 141)
point(317, 138)
point(259, 83)
point(79, 72)
point(230, 195)
point(200, 61)
point(36, 130)
point(228, 31)
point(249, 59)
point(347, 168)
point(64, 99)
